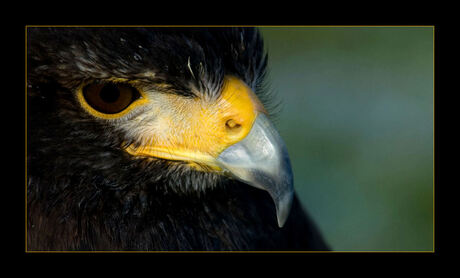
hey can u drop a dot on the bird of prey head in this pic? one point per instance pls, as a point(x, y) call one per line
point(171, 110)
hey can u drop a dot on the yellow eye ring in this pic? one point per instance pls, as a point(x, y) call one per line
point(110, 100)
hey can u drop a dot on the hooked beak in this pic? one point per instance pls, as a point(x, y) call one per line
point(231, 135)
point(261, 160)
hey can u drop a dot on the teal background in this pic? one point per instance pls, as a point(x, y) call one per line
point(356, 114)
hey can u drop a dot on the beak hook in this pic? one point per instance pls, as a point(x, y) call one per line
point(261, 160)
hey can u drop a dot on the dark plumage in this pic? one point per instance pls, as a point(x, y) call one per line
point(85, 193)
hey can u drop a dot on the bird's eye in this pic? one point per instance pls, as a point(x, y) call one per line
point(110, 98)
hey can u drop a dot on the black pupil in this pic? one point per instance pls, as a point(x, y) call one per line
point(109, 93)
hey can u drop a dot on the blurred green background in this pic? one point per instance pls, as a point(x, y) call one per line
point(357, 118)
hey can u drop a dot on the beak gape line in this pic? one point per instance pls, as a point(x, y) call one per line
point(232, 135)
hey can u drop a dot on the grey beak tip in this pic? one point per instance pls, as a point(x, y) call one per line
point(283, 207)
point(261, 160)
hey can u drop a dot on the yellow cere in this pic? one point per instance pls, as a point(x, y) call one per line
point(198, 130)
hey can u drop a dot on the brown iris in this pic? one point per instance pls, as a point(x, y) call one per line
point(110, 98)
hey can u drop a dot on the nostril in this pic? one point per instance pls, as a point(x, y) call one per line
point(232, 124)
